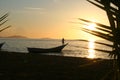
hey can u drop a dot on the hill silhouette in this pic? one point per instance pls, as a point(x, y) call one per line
point(14, 36)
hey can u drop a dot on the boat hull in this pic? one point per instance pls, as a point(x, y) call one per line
point(57, 49)
point(1, 44)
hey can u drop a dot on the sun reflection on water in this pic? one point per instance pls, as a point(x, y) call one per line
point(91, 51)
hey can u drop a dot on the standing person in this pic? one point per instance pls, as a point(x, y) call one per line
point(63, 40)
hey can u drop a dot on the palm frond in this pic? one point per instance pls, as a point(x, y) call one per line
point(105, 51)
point(99, 34)
point(105, 44)
point(98, 24)
point(3, 22)
point(112, 10)
point(5, 28)
point(102, 7)
point(104, 30)
point(4, 17)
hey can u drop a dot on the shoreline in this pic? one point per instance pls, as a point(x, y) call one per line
point(20, 66)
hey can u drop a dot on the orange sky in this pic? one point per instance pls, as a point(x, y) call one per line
point(50, 18)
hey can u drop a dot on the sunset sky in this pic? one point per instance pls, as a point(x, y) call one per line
point(49, 18)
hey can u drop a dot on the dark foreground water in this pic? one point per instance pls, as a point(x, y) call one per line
point(74, 48)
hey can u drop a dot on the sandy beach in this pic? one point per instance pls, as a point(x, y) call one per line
point(21, 66)
point(16, 63)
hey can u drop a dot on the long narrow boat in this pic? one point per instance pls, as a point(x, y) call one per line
point(57, 49)
point(1, 44)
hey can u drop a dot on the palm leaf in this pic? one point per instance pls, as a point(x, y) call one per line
point(105, 44)
point(99, 34)
point(5, 28)
point(112, 10)
point(105, 51)
point(106, 31)
point(96, 4)
point(99, 24)
point(3, 22)
point(4, 17)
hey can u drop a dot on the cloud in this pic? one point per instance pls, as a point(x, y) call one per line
point(34, 8)
point(31, 10)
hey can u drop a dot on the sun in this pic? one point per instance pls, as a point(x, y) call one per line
point(91, 26)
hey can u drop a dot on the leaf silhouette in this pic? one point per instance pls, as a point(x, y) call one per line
point(3, 20)
point(110, 33)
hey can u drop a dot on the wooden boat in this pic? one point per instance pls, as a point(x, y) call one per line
point(57, 49)
point(1, 44)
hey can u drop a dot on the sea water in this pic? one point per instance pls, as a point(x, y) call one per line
point(75, 48)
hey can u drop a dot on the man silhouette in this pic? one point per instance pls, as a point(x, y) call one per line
point(63, 40)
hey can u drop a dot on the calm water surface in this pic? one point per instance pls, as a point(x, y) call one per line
point(74, 48)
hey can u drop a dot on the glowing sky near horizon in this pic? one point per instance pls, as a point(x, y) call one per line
point(50, 18)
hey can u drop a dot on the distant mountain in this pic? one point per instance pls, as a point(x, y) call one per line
point(14, 36)
point(45, 38)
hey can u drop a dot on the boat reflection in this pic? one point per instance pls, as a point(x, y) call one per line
point(91, 51)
